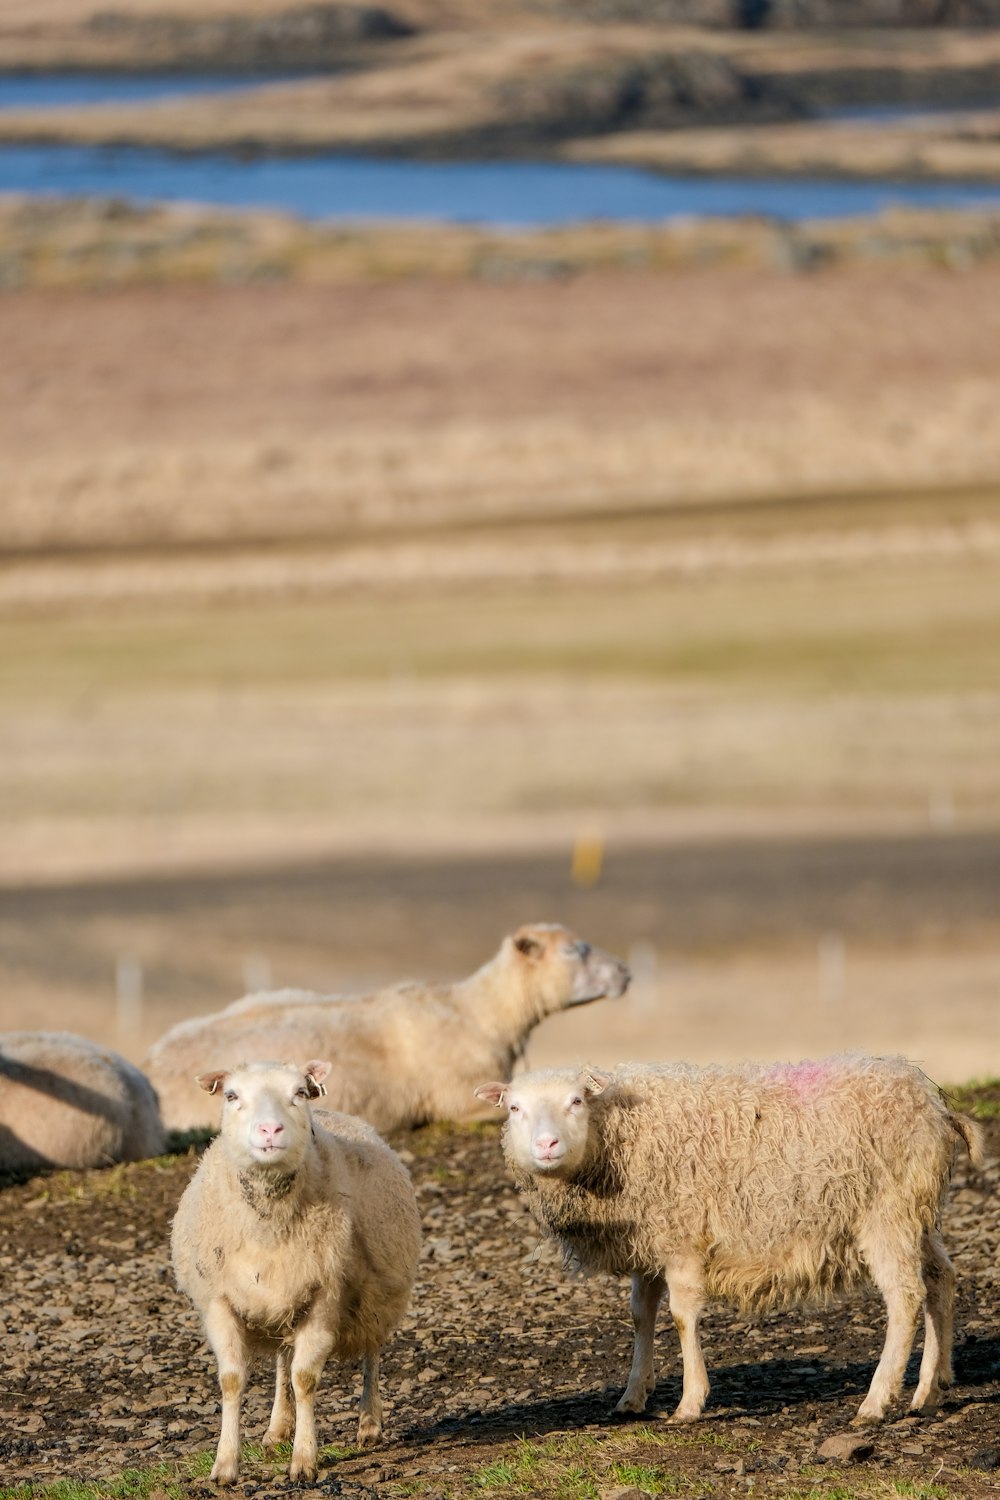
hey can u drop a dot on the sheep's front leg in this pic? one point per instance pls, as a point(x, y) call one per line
point(687, 1303)
point(279, 1428)
point(647, 1292)
point(312, 1345)
point(225, 1335)
point(370, 1415)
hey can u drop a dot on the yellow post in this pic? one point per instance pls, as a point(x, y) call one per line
point(588, 858)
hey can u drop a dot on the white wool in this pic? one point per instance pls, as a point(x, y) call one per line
point(297, 1237)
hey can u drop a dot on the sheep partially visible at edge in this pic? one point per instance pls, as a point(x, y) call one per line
point(67, 1102)
point(298, 1236)
point(763, 1186)
point(402, 1056)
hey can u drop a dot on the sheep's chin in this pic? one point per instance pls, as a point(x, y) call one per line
point(268, 1158)
point(549, 1166)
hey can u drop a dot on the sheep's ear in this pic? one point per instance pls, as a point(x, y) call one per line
point(528, 945)
point(594, 1081)
point(211, 1082)
point(492, 1093)
point(315, 1071)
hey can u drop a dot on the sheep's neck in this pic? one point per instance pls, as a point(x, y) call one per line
point(264, 1191)
point(502, 1006)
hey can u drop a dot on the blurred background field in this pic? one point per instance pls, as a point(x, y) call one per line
point(369, 588)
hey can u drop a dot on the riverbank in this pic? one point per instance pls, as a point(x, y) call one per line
point(99, 243)
point(540, 86)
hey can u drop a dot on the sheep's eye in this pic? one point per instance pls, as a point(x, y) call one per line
point(575, 1101)
point(513, 1108)
point(231, 1096)
point(302, 1093)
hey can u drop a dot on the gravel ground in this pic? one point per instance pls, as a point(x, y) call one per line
point(502, 1379)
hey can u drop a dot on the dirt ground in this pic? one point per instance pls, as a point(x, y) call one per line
point(502, 1378)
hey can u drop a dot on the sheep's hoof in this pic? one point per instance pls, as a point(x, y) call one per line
point(274, 1436)
point(630, 1406)
point(369, 1432)
point(302, 1473)
point(224, 1473)
point(686, 1414)
point(867, 1419)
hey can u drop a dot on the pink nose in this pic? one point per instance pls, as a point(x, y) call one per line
point(268, 1132)
point(546, 1144)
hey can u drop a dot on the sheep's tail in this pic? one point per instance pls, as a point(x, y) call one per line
point(969, 1131)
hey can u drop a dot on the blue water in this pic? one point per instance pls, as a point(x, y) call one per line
point(51, 90)
point(519, 194)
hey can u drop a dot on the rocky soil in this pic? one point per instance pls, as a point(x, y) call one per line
point(503, 1377)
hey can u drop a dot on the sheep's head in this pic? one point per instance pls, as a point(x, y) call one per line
point(562, 970)
point(548, 1118)
point(266, 1119)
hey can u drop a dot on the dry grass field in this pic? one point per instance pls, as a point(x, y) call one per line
point(448, 575)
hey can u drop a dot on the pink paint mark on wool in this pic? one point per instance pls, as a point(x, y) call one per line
point(805, 1079)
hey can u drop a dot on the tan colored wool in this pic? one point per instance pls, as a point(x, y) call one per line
point(401, 1056)
point(765, 1186)
point(66, 1102)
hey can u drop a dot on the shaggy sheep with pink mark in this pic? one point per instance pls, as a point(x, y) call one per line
point(763, 1186)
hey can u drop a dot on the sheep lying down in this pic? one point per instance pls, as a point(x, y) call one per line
point(765, 1186)
point(298, 1238)
point(67, 1102)
point(405, 1055)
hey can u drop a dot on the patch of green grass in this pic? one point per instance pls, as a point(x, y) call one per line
point(580, 1466)
point(335, 1452)
point(979, 1098)
point(501, 1474)
point(871, 1487)
point(650, 1477)
point(171, 1480)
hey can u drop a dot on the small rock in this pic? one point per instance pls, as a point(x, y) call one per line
point(626, 1492)
point(914, 1450)
point(847, 1447)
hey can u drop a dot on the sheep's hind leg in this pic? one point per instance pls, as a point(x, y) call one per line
point(370, 1415)
point(935, 1366)
point(228, 1345)
point(312, 1345)
point(279, 1428)
point(895, 1270)
point(647, 1293)
point(687, 1303)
